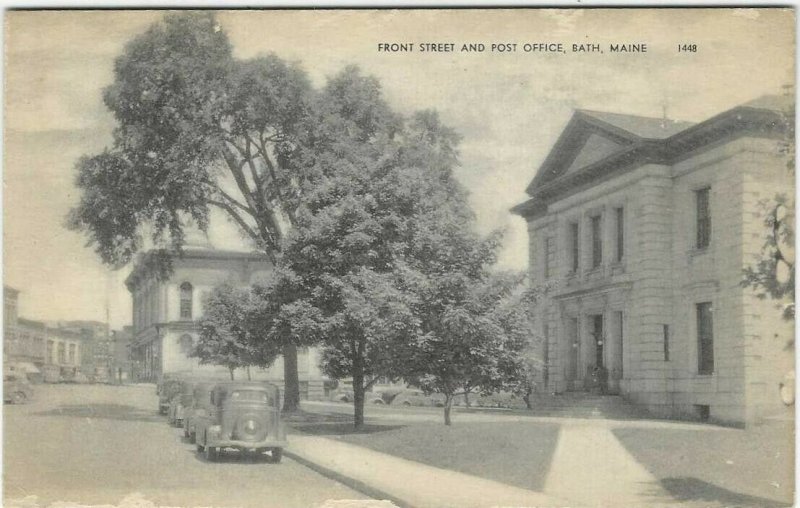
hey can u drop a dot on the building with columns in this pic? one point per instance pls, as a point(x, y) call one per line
point(643, 226)
point(166, 314)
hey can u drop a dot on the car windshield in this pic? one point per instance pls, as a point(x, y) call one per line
point(252, 396)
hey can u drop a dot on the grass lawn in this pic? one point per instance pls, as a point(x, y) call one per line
point(730, 468)
point(515, 453)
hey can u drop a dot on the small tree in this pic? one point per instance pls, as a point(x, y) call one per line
point(231, 334)
point(473, 337)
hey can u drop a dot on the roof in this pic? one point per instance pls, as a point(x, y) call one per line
point(783, 103)
point(31, 323)
point(147, 261)
point(597, 144)
point(642, 126)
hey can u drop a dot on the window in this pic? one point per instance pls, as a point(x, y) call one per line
point(575, 246)
point(186, 343)
point(186, 301)
point(546, 354)
point(49, 358)
point(61, 353)
point(547, 242)
point(72, 354)
point(666, 343)
point(703, 218)
point(620, 219)
point(705, 338)
point(597, 242)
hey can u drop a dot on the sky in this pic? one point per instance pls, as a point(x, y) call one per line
point(509, 107)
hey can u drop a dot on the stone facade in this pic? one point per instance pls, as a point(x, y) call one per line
point(166, 313)
point(644, 235)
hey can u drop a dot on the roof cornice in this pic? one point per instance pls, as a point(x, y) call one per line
point(727, 126)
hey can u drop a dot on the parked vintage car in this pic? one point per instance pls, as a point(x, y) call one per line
point(166, 389)
point(415, 397)
point(198, 408)
point(51, 373)
point(244, 415)
point(180, 401)
point(16, 389)
point(347, 396)
point(73, 375)
point(101, 375)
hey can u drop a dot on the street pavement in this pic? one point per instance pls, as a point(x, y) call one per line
point(94, 444)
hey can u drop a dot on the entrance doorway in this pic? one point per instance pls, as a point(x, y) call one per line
point(599, 343)
point(573, 354)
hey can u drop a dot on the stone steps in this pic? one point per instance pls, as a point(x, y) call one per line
point(583, 405)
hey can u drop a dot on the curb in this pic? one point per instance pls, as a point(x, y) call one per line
point(354, 484)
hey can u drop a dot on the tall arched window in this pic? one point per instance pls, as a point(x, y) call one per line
point(186, 342)
point(186, 301)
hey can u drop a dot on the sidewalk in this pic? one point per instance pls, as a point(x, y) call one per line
point(407, 483)
point(594, 470)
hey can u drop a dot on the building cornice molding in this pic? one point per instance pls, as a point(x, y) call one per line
point(742, 121)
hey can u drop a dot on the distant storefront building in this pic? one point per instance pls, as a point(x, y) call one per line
point(644, 225)
point(96, 340)
point(31, 345)
point(166, 313)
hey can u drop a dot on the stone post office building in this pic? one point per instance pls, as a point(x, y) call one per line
point(166, 314)
point(644, 225)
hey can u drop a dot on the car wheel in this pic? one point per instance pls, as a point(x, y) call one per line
point(277, 454)
point(211, 453)
point(378, 401)
point(19, 397)
point(406, 403)
point(200, 448)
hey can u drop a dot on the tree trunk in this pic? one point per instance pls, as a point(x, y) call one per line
point(291, 381)
point(466, 398)
point(249, 377)
point(527, 399)
point(230, 369)
point(448, 404)
point(358, 395)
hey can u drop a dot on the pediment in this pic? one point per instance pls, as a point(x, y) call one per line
point(596, 148)
point(583, 142)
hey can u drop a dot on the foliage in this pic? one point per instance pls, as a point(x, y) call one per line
point(476, 336)
point(232, 331)
point(340, 287)
point(196, 129)
point(772, 275)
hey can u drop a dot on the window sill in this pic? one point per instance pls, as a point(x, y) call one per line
point(698, 252)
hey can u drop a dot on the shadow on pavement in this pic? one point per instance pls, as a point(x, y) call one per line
point(693, 489)
point(106, 412)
